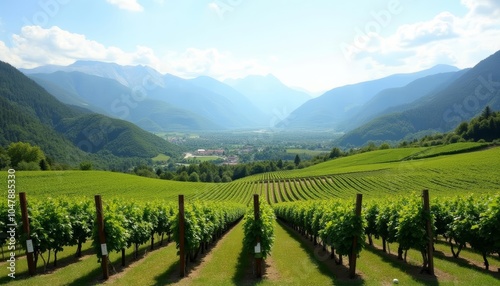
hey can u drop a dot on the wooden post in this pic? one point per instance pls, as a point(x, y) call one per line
point(256, 215)
point(26, 229)
point(102, 237)
point(182, 250)
point(353, 255)
point(430, 246)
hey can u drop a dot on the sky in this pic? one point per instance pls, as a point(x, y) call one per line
point(312, 44)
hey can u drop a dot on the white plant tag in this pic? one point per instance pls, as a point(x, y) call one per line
point(29, 246)
point(104, 249)
point(257, 248)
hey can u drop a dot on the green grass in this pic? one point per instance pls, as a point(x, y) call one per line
point(85, 270)
point(449, 271)
point(41, 185)
point(158, 268)
point(160, 158)
point(449, 149)
point(379, 174)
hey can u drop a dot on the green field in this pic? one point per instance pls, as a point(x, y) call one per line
point(293, 260)
point(160, 158)
point(375, 174)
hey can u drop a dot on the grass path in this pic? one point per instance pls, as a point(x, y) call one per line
point(158, 268)
point(290, 263)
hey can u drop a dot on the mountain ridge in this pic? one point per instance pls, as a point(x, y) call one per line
point(336, 105)
point(441, 111)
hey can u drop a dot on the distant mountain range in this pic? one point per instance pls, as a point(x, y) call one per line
point(202, 103)
point(330, 110)
point(270, 95)
point(390, 108)
point(457, 99)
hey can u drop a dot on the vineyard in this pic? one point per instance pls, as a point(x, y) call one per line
point(314, 207)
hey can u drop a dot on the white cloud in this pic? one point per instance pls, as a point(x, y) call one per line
point(441, 27)
point(194, 62)
point(447, 39)
point(130, 5)
point(483, 7)
point(35, 46)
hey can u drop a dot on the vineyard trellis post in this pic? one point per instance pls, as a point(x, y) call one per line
point(430, 246)
point(26, 229)
point(353, 255)
point(258, 258)
point(102, 237)
point(182, 250)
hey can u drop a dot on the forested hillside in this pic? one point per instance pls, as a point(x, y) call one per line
point(463, 99)
point(68, 135)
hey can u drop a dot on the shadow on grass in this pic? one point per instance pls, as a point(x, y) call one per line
point(95, 276)
point(244, 270)
point(241, 268)
point(172, 274)
point(463, 262)
point(61, 263)
point(411, 270)
point(339, 274)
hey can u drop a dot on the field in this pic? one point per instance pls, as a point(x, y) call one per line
point(374, 174)
point(160, 158)
point(448, 171)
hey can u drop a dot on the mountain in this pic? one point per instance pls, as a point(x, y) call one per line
point(332, 108)
point(245, 107)
point(209, 101)
point(180, 104)
point(129, 76)
point(399, 98)
point(109, 97)
point(441, 110)
point(29, 113)
point(270, 95)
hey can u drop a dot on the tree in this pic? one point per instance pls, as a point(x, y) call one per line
point(384, 146)
point(183, 176)
point(25, 166)
point(486, 112)
point(159, 171)
point(167, 175)
point(4, 158)
point(44, 165)
point(335, 153)
point(194, 177)
point(280, 164)
point(22, 151)
point(462, 128)
point(297, 160)
point(226, 178)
